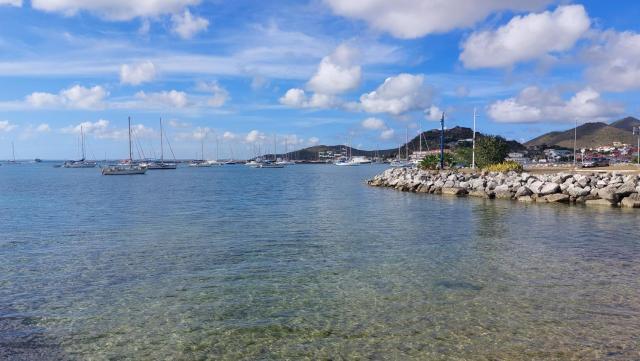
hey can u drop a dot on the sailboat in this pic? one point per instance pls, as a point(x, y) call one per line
point(285, 160)
point(347, 161)
point(200, 163)
point(82, 163)
point(161, 164)
point(13, 155)
point(269, 163)
point(125, 169)
point(400, 163)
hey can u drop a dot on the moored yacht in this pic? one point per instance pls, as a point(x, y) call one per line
point(128, 168)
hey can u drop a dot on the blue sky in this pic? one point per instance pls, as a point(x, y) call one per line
point(307, 72)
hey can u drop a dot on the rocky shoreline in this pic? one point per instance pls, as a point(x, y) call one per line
point(606, 189)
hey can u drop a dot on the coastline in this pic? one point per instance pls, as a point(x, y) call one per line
point(599, 189)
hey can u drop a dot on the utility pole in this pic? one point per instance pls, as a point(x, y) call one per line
point(473, 139)
point(442, 142)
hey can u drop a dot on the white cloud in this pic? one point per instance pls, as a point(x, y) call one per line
point(297, 98)
point(433, 113)
point(119, 10)
point(187, 25)
point(259, 82)
point(526, 38)
point(220, 94)
point(163, 99)
point(177, 124)
point(43, 128)
point(387, 134)
point(76, 97)
point(373, 124)
point(6, 126)
point(313, 141)
point(16, 3)
point(101, 129)
point(410, 19)
point(254, 136)
point(229, 136)
point(615, 61)
point(398, 94)
point(539, 105)
point(136, 74)
point(336, 72)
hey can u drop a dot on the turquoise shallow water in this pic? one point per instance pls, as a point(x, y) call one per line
point(305, 262)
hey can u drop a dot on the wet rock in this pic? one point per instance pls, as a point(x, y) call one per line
point(549, 188)
point(454, 191)
point(523, 191)
point(526, 199)
point(632, 201)
point(556, 198)
point(479, 194)
point(600, 202)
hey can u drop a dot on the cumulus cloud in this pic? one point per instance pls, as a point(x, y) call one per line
point(119, 10)
point(410, 19)
point(136, 74)
point(16, 3)
point(6, 126)
point(373, 124)
point(220, 94)
point(433, 113)
point(101, 129)
point(526, 38)
point(614, 60)
point(533, 104)
point(187, 25)
point(178, 124)
point(173, 98)
point(313, 141)
point(229, 136)
point(298, 98)
point(397, 95)
point(254, 136)
point(387, 134)
point(43, 128)
point(76, 97)
point(337, 72)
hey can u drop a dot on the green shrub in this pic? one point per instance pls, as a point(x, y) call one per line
point(505, 167)
point(432, 161)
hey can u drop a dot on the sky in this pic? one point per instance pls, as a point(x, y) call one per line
point(242, 75)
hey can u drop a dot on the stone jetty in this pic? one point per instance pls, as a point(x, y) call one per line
point(602, 189)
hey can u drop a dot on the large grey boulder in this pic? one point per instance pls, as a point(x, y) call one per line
point(632, 201)
point(576, 191)
point(626, 189)
point(599, 202)
point(522, 192)
point(609, 194)
point(556, 198)
point(549, 188)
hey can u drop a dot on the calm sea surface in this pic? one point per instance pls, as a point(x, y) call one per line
point(304, 262)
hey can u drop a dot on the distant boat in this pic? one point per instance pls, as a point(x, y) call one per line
point(125, 169)
point(201, 163)
point(268, 163)
point(82, 163)
point(161, 165)
point(37, 160)
point(13, 154)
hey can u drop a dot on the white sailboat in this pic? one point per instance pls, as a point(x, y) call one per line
point(82, 163)
point(200, 163)
point(269, 163)
point(161, 165)
point(125, 169)
point(13, 155)
point(403, 163)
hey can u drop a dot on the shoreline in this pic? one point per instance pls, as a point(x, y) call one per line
point(591, 188)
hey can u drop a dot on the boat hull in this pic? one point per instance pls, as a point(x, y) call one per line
point(123, 171)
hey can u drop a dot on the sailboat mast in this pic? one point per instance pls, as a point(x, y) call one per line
point(202, 145)
point(130, 150)
point(161, 144)
point(82, 142)
point(406, 144)
point(13, 152)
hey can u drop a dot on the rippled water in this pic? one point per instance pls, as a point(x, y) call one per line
point(304, 262)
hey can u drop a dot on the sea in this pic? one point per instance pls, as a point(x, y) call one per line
point(305, 262)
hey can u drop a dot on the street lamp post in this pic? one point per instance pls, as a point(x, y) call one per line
point(575, 142)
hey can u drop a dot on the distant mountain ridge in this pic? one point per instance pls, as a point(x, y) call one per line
point(431, 141)
point(590, 135)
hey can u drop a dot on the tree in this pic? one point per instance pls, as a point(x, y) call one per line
point(463, 156)
point(491, 150)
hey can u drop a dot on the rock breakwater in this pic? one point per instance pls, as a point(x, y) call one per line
point(604, 189)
